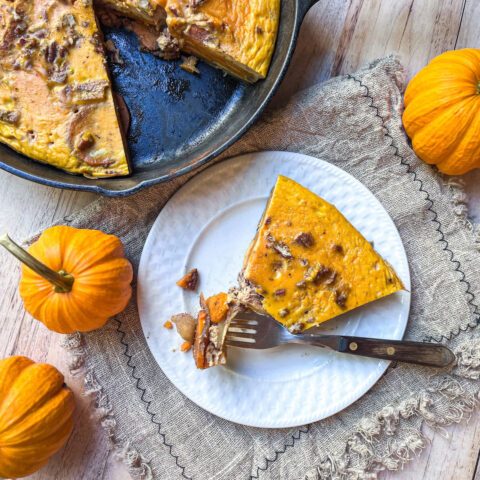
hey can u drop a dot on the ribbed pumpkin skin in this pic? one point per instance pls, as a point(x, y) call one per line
point(101, 286)
point(35, 415)
point(442, 111)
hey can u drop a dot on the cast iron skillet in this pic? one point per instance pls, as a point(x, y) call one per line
point(179, 121)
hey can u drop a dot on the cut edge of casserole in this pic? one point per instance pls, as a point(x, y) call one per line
point(237, 37)
point(146, 11)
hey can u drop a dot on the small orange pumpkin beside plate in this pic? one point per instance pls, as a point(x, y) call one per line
point(73, 279)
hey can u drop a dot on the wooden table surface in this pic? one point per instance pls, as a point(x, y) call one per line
point(337, 37)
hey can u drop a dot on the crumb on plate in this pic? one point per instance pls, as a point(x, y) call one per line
point(190, 280)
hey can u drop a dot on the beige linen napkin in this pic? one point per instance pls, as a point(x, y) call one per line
point(353, 121)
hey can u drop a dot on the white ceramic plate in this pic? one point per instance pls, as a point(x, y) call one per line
point(208, 225)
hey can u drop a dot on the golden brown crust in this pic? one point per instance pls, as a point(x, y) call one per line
point(55, 93)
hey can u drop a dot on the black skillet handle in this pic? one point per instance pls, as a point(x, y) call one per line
point(430, 354)
point(304, 6)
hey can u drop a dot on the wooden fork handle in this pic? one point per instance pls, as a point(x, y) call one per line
point(430, 354)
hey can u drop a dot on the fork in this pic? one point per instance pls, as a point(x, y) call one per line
point(262, 332)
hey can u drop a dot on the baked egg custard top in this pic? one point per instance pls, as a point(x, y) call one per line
point(56, 103)
point(309, 264)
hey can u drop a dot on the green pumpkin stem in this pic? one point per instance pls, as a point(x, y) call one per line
point(62, 282)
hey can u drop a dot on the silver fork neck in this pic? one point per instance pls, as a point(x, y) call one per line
point(326, 341)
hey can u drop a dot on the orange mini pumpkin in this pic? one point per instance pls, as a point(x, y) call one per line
point(73, 279)
point(442, 111)
point(35, 415)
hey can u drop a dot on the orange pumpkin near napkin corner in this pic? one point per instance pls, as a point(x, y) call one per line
point(442, 111)
point(35, 415)
point(73, 279)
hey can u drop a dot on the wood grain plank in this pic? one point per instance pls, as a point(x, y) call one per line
point(469, 37)
point(314, 54)
point(28, 207)
point(417, 30)
point(469, 31)
point(476, 473)
point(445, 458)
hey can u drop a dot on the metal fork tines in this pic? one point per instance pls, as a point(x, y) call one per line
point(241, 333)
point(259, 333)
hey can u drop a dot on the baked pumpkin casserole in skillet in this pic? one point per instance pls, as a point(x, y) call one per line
point(56, 99)
point(306, 264)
